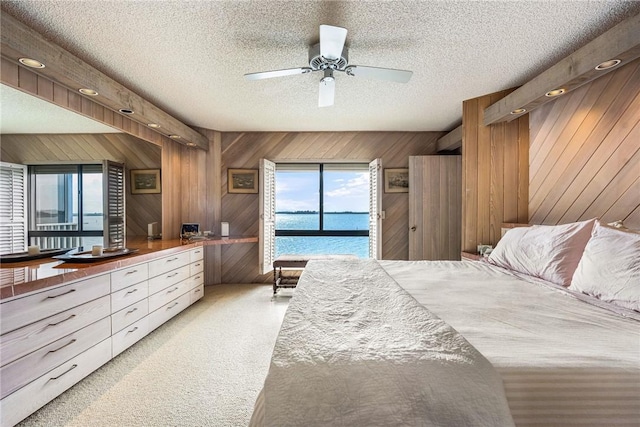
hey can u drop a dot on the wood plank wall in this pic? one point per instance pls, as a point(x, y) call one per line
point(135, 153)
point(244, 150)
point(191, 193)
point(585, 153)
point(495, 173)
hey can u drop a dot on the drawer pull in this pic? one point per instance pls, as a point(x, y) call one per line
point(172, 259)
point(62, 321)
point(197, 277)
point(131, 272)
point(131, 311)
point(172, 275)
point(74, 366)
point(132, 330)
point(59, 295)
point(197, 291)
point(174, 304)
point(174, 289)
point(60, 348)
point(132, 291)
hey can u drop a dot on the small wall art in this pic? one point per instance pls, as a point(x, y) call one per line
point(145, 181)
point(396, 180)
point(242, 181)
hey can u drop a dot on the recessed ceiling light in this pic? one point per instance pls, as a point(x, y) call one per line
point(89, 92)
point(191, 144)
point(153, 125)
point(608, 64)
point(125, 111)
point(31, 63)
point(519, 111)
point(174, 136)
point(555, 92)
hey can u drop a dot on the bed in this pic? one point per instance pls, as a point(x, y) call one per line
point(547, 333)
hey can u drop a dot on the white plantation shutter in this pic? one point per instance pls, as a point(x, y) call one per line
point(267, 214)
point(13, 208)
point(113, 191)
point(375, 209)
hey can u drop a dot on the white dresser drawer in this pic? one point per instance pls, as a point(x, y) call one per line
point(197, 254)
point(196, 293)
point(161, 298)
point(127, 296)
point(166, 312)
point(196, 267)
point(127, 316)
point(22, 341)
point(125, 277)
point(158, 283)
point(27, 368)
point(168, 263)
point(23, 311)
point(129, 336)
point(36, 394)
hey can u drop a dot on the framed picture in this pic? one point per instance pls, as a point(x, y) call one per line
point(145, 181)
point(396, 180)
point(242, 181)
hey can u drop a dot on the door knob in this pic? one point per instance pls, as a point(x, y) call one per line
point(413, 228)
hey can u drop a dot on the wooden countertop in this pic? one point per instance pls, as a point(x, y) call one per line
point(18, 278)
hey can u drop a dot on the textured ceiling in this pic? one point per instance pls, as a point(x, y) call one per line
point(189, 57)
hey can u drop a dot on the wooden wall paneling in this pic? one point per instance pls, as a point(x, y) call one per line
point(494, 171)
point(38, 148)
point(244, 150)
point(593, 169)
point(549, 187)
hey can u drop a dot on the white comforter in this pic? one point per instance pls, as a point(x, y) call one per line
point(356, 350)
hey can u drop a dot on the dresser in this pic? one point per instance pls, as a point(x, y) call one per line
point(54, 337)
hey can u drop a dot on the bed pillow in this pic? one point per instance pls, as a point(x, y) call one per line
point(550, 252)
point(610, 267)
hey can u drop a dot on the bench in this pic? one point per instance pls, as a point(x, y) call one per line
point(295, 263)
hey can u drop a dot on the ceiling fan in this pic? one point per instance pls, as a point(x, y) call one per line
point(329, 56)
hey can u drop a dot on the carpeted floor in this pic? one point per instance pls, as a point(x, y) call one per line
point(204, 367)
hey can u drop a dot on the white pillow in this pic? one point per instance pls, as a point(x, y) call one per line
point(610, 267)
point(550, 252)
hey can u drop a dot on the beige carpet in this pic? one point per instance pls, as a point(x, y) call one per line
point(204, 367)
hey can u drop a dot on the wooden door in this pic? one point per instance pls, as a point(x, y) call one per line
point(435, 207)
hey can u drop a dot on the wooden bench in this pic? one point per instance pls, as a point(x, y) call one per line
point(295, 263)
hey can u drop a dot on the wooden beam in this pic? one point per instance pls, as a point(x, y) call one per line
point(450, 141)
point(621, 42)
point(20, 41)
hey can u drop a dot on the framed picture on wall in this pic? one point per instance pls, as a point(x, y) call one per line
point(145, 181)
point(242, 181)
point(396, 180)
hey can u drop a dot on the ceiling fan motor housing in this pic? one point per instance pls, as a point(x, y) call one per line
point(318, 62)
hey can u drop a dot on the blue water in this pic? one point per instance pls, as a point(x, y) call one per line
point(314, 245)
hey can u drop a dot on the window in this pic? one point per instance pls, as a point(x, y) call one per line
point(76, 205)
point(13, 209)
point(318, 209)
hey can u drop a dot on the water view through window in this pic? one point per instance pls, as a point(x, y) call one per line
point(315, 201)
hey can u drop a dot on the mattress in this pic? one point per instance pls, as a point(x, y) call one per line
point(563, 361)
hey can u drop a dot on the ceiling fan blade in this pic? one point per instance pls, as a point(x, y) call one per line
point(400, 76)
point(332, 41)
point(327, 92)
point(277, 73)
